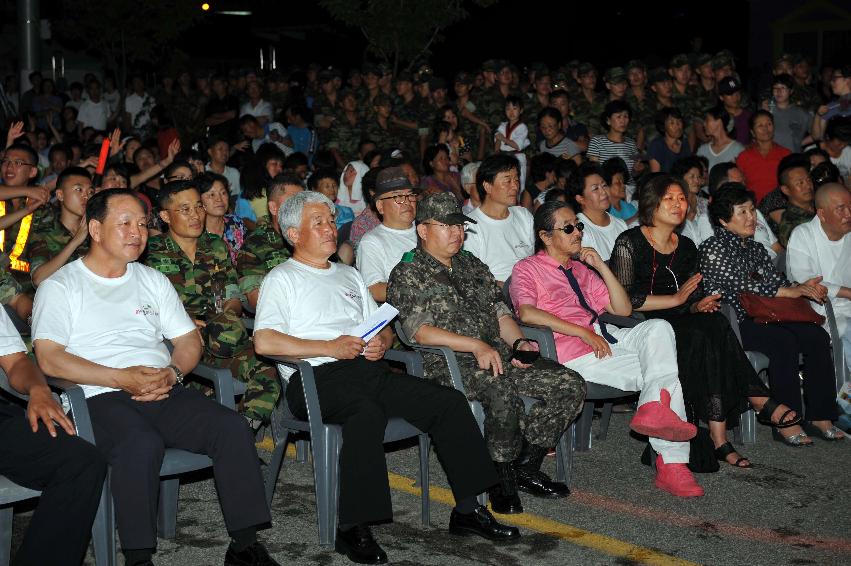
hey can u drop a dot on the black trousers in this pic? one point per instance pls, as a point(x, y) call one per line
point(782, 343)
point(68, 471)
point(361, 395)
point(134, 435)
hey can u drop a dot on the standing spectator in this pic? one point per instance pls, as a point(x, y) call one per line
point(47, 106)
point(221, 112)
point(722, 146)
point(512, 136)
point(256, 106)
point(671, 144)
point(94, 111)
point(791, 122)
point(759, 161)
point(137, 107)
point(26, 105)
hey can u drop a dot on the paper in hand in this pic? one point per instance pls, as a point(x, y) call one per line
point(376, 322)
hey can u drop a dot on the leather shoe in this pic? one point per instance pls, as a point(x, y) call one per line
point(359, 546)
point(504, 504)
point(253, 555)
point(538, 484)
point(480, 522)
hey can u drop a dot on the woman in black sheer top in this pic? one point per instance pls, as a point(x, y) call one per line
point(659, 270)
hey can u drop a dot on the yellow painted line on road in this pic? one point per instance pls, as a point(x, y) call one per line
point(569, 533)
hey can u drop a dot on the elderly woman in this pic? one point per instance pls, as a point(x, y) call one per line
point(214, 189)
point(659, 270)
point(733, 263)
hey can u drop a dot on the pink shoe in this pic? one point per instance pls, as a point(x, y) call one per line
point(676, 479)
point(657, 420)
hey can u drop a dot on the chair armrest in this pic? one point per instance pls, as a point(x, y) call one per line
point(545, 338)
point(413, 361)
point(447, 353)
point(223, 383)
point(7, 387)
point(20, 324)
point(308, 385)
point(79, 409)
point(248, 323)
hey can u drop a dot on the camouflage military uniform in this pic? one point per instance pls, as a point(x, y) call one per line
point(414, 112)
point(792, 217)
point(806, 96)
point(588, 113)
point(491, 107)
point(8, 286)
point(48, 241)
point(687, 103)
point(530, 118)
point(322, 107)
point(466, 300)
point(261, 251)
point(345, 137)
point(390, 138)
point(226, 341)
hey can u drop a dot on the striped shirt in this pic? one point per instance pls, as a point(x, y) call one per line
point(604, 149)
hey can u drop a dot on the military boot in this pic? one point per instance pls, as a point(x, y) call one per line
point(503, 496)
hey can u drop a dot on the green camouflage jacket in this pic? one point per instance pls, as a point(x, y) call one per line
point(48, 241)
point(261, 251)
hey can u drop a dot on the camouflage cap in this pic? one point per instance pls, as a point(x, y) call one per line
point(384, 69)
point(573, 64)
point(678, 61)
point(585, 68)
point(635, 64)
point(539, 68)
point(721, 60)
point(371, 69)
point(464, 78)
point(404, 76)
point(490, 66)
point(325, 75)
point(702, 59)
point(658, 75)
point(225, 335)
point(392, 179)
point(442, 207)
point(615, 75)
point(436, 83)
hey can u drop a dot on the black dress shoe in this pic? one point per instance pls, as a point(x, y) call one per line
point(505, 504)
point(481, 522)
point(538, 484)
point(252, 555)
point(357, 543)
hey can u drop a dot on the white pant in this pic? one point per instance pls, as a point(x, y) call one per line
point(644, 360)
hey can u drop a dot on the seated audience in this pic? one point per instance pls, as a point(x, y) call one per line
point(590, 192)
point(359, 391)
point(797, 186)
point(759, 161)
point(229, 227)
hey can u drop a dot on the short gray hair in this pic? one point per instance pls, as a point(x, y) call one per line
point(289, 215)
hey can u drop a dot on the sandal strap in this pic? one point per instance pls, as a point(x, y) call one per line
point(764, 415)
point(724, 450)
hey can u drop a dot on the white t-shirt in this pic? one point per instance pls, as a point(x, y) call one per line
point(601, 238)
point(263, 108)
point(94, 114)
point(232, 175)
point(10, 340)
point(843, 162)
point(312, 304)
point(726, 155)
point(115, 322)
point(381, 249)
point(501, 243)
point(139, 108)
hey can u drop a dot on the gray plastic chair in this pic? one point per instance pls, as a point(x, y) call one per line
point(837, 347)
point(745, 433)
point(11, 493)
point(326, 440)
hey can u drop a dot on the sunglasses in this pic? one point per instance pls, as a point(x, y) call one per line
point(570, 228)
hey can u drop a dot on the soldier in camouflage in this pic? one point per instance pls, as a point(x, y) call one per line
point(617, 85)
point(685, 95)
point(448, 297)
point(491, 105)
point(381, 128)
point(540, 99)
point(326, 103)
point(346, 131)
point(587, 104)
point(198, 265)
point(264, 248)
point(411, 117)
point(805, 94)
point(64, 239)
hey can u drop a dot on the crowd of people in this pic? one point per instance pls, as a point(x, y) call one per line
point(502, 198)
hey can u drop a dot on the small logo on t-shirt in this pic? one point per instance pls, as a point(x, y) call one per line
point(354, 295)
point(147, 310)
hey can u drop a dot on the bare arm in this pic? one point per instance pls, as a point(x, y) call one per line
point(379, 292)
point(26, 378)
point(273, 343)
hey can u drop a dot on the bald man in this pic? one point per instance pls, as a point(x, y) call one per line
point(822, 246)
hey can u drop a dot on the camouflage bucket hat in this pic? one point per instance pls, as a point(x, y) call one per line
point(615, 75)
point(678, 61)
point(225, 335)
point(442, 207)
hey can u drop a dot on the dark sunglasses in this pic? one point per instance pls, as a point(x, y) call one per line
point(570, 228)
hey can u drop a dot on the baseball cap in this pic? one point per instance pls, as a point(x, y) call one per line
point(615, 75)
point(442, 207)
point(729, 85)
point(392, 179)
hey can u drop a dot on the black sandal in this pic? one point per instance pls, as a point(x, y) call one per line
point(764, 415)
point(725, 450)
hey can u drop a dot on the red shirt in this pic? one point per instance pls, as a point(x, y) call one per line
point(761, 171)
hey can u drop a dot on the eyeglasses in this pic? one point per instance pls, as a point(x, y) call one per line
point(179, 178)
point(402, 199)
point(446, 227)
point(569, 228)
point(16, 163)
point(188, 210)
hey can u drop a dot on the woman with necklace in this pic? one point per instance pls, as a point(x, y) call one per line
point(659, 270)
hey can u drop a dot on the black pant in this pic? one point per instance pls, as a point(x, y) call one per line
point(134, 435)
point(782, 343)
point(68, 471)
point(361, 395)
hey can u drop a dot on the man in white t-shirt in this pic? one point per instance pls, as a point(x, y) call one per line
point(256, 106)
point(600, 229)
point(40, 455)
point(503, 232)
point(94, 111)
point(307, 309)
point(102, 322)
point(382, 247)
point(822, 247)
point(138, 106)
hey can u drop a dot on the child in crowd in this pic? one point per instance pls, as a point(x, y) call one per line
point(513, 136)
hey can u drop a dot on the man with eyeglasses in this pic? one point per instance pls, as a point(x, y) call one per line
point(102, 322)
point(199, 267)
point(64, 240)
point(566, 287)
point(448, 297)
point(503, 232)
point(382, 247)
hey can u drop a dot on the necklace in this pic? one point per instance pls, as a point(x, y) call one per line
point(655, 265)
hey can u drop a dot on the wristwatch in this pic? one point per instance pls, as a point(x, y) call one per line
point(178, 375)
